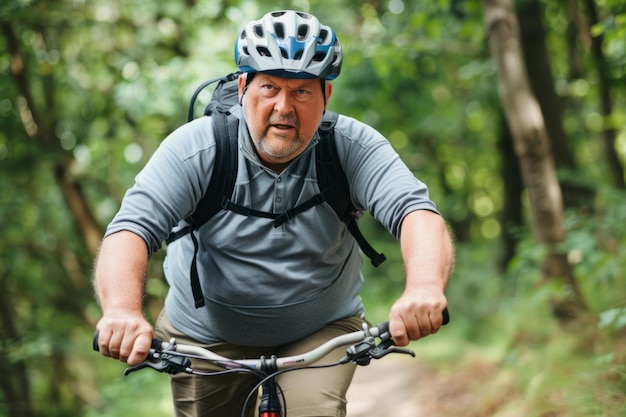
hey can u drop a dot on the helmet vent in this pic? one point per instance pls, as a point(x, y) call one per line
point(258, 30)
point(263, 51)
point(303, 31)
point(318, 57)
point(298, 54)
point(323, 35)
point(279, 30)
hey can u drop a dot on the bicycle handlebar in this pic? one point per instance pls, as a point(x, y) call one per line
point(172, 357)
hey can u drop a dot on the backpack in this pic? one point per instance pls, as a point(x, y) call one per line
point(332, 180)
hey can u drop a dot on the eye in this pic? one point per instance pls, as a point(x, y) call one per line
point(269, 90)
point(302, 94)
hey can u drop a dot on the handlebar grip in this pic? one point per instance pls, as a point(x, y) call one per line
point(156, 344)
point(384, 326)
point(446, 316)
point(94, 342)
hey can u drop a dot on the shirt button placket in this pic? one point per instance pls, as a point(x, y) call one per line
point(279, 196)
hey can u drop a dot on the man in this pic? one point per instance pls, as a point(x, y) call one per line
point(269, 290)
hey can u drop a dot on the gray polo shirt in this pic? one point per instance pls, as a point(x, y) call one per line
point(265, 286)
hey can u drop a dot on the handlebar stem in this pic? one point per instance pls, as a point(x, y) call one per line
point(269, 404)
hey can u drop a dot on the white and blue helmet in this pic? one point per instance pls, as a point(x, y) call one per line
point(289, 44)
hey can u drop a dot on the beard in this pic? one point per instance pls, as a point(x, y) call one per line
point(280, 141)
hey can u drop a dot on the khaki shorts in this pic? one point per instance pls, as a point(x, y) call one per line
point(308, 392)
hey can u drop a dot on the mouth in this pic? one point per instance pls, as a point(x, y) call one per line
point(283, 123)
point(282, 129)
point(281, 126)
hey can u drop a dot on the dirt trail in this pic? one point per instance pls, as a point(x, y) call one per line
point(405, 387)
point(391, 387)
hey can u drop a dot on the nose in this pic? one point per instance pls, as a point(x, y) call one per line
point(284, 103)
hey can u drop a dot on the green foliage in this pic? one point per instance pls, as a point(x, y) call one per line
point(109, 79)
point(576, 370)
point(141, 393)
point(444, 111)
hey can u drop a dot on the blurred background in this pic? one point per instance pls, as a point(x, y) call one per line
point(513, 113)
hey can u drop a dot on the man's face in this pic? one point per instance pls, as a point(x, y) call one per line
point(282, 115)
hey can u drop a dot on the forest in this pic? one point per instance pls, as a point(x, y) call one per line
point(513, 113)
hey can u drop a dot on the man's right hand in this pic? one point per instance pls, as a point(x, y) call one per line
point(124, 336)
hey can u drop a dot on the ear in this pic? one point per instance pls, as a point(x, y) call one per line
point(327, 93)
point(241, 84)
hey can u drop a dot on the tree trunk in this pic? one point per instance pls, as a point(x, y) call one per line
point(614, 165)
point(541, 81)
point(532, 147)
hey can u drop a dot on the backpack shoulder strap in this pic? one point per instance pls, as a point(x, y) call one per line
point(223, 177)
point(334, 185)
point(331, 177)
point(220, 189)
point(225, 167)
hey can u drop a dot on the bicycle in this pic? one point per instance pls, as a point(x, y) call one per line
point(172, 357)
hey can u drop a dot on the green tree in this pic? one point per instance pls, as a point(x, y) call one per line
point(89, 89)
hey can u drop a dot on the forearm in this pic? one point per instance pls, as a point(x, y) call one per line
point(427, 251)
point(120, 273)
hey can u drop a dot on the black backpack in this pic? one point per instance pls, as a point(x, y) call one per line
point(332, 180)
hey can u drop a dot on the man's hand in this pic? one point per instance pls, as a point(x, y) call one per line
point(125, 336)
point(416, 315)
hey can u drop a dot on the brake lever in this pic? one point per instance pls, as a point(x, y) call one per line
point(363, 352)
point(386, 347)
point(170, 364)
point(139, 367)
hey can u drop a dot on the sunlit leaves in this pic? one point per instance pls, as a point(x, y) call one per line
point(115, 76)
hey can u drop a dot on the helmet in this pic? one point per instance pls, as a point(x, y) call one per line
point(289, 44)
